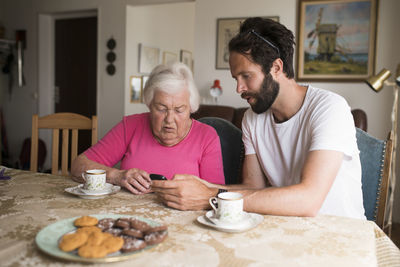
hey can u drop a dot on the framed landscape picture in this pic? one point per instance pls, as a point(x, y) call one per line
point(336, 40)
point(136, 89)
point(227, 28)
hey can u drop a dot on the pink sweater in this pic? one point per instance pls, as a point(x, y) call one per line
point(132, 142)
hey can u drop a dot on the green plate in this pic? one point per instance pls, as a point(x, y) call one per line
point(47, 239)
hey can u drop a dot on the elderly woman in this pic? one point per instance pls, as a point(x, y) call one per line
point(163, 141)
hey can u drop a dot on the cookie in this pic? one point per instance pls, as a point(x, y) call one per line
point(139, 225)
point(88, 229)
point(92, 251)
point(70, 242)
point(132, 232)
point(85, 221)
point(112, 243)
point(132, 244)
point(96, 238)
point(122, 223)
point(155, 237)
point(106, 223)
point(114, 231)
point(156, 229)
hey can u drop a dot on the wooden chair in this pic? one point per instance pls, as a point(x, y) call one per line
point(64, 122)
point(376, 161)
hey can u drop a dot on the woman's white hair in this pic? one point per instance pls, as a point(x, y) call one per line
point(171, 79)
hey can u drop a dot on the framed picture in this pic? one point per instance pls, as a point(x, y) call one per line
point(227, 28)
point(144, 80)
point(186, 58)
point(136, 89)
point(336, 40)
point(169, 57)
point(149, 57)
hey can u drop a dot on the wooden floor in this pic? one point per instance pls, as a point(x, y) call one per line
point(396, 234)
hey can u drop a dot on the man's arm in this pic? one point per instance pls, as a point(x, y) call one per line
point(303, 199)
point(188, 192)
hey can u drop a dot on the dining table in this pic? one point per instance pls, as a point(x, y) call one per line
point(32, 202)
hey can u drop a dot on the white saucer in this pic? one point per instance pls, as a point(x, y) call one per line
point(107, 189)
point(210, 215)
point(250, 220)
point(77, 191)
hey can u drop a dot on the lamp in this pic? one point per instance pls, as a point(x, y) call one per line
point(376, 82)
point(216, 90)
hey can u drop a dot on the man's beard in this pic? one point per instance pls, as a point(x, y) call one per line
point(265, 97)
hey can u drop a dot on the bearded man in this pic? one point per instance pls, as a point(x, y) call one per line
point(301, 154)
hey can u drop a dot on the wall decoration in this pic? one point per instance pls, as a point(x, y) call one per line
point(136, 89)
point(336, 40)
point(186, 58)
point(144, 80)
point(227, 28)
point(149, 57)
point(169, 57)
point(111, 56)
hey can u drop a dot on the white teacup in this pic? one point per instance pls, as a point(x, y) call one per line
point(229, 208)
point(94, 179)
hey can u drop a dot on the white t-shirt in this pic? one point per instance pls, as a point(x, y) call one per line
point(324, 122)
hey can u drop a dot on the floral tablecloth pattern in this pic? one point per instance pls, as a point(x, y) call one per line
point(31, 201)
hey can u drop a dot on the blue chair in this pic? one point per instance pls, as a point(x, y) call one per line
point(376, 159)
point(231, 146)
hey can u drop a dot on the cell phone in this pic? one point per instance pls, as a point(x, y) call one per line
point(154, 176)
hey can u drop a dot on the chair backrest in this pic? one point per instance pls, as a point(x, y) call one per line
point(64, 122)
point(231, 146)
point(360, 119)
point(376, 159)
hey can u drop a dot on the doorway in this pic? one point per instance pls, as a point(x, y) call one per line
point(75, 70)
point(47, 91)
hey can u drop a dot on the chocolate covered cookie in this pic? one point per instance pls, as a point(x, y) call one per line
point(155, 237)
point(106, 223)
point(132, 232)
point(139, 225)
point(133, 244)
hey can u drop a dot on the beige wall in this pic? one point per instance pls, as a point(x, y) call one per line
point(172, 31)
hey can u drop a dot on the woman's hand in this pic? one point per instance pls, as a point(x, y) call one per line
point(135, 180)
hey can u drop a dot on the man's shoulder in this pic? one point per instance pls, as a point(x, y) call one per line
point(322, 98)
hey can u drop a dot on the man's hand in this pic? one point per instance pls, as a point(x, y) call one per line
point(184, 192)
point(135, 180)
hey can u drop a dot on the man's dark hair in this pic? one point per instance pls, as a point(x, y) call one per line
point(265, 40)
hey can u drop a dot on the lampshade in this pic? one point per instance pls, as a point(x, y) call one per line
point(397, 78)
point(376, 81)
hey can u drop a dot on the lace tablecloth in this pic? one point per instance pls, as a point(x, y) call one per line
point(31, 201)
